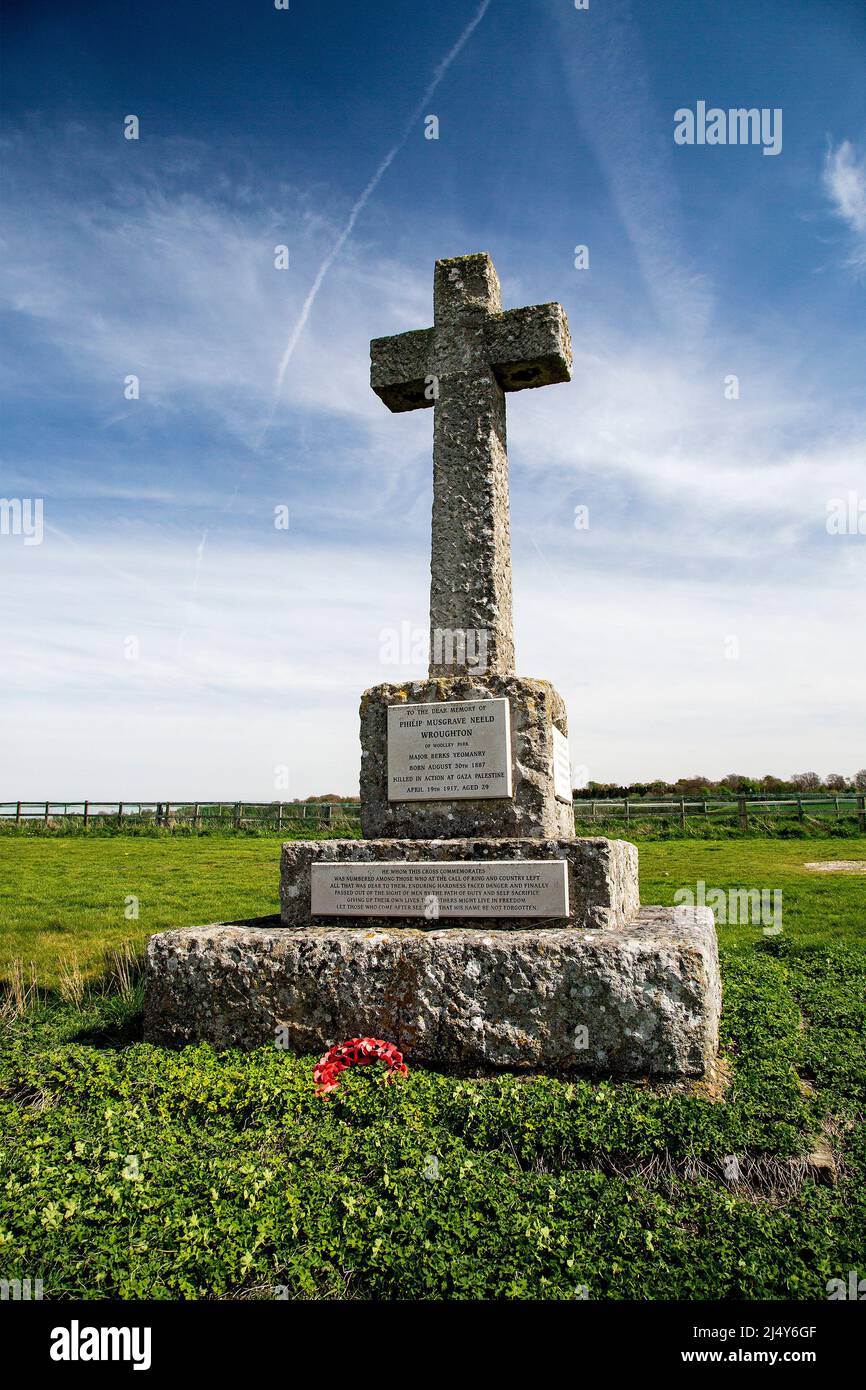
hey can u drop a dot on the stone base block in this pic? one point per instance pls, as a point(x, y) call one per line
point(634, 1002)
point(602, 876)
point(533, 809)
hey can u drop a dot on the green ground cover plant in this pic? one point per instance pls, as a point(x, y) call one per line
point(133, 1171)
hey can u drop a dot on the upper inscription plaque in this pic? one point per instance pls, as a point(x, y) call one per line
point(448, 751)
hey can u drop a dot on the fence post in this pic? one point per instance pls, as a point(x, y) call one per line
point(239, 806)
point(800, 812)
point(742, 813)
point(861, 813)
point(279, 815)
point(593, 811)
point(195, 816)
point(18, 813)
point(46, 812)
point(86, 814)
point(627, 811)
point(119, 812)
point(682, 813)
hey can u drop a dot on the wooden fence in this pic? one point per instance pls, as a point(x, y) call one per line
point(742, 809)
point(195, 813)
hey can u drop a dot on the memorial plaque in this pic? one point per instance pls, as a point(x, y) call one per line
point(433, 889)
point(561, 766)
point(448, 751)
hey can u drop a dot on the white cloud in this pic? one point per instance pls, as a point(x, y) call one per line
point(181, 289)
point(261, 662)
point(656, 432)
point(845, 185)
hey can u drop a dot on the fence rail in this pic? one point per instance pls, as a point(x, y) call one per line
point(168, 813)
point(239, 814)
point(741, 808)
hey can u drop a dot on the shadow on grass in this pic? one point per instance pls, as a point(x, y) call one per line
point(112, 1007)
point(114, 1022)
point(105, 1011)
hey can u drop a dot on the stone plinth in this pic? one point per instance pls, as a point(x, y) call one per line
point(533, 809)
point(629, 1002)
point(602, 876)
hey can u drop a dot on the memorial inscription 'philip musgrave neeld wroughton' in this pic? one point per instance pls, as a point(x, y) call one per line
point(469, 925)
point(453, 749)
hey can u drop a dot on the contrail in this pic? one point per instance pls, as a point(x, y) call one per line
point(332, 255)
point(190, 607)
point(199, 556)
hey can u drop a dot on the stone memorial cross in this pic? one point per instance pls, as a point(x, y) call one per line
point(463, 366)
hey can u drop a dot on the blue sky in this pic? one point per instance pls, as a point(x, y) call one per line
point(166, 639)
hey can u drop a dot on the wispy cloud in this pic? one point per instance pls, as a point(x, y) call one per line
point(844, 178)
point(655, 434)
point(263, 676)
point(609, 84)
point(642, 414)
point(411, 125)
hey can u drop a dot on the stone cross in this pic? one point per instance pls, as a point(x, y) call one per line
point(463, 366)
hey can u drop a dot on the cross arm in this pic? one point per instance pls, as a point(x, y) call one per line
point(529, 347)
point(399, 366)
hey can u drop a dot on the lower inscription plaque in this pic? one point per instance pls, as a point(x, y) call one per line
point(458, 888)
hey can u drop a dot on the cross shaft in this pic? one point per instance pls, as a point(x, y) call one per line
point(463, 366)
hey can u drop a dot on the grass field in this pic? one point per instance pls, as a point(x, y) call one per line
point(131, 1171)
point(69, 897)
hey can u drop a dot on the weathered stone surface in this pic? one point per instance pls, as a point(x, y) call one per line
point(643, 1001)
point(400, 367)
point(602, 875)
point(529, 347)
point(470, 587)
point(462, 366)
point(532, 810)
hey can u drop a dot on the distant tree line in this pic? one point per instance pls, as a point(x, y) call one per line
point(735, 784)
point(329, 796)
point(699, 788)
